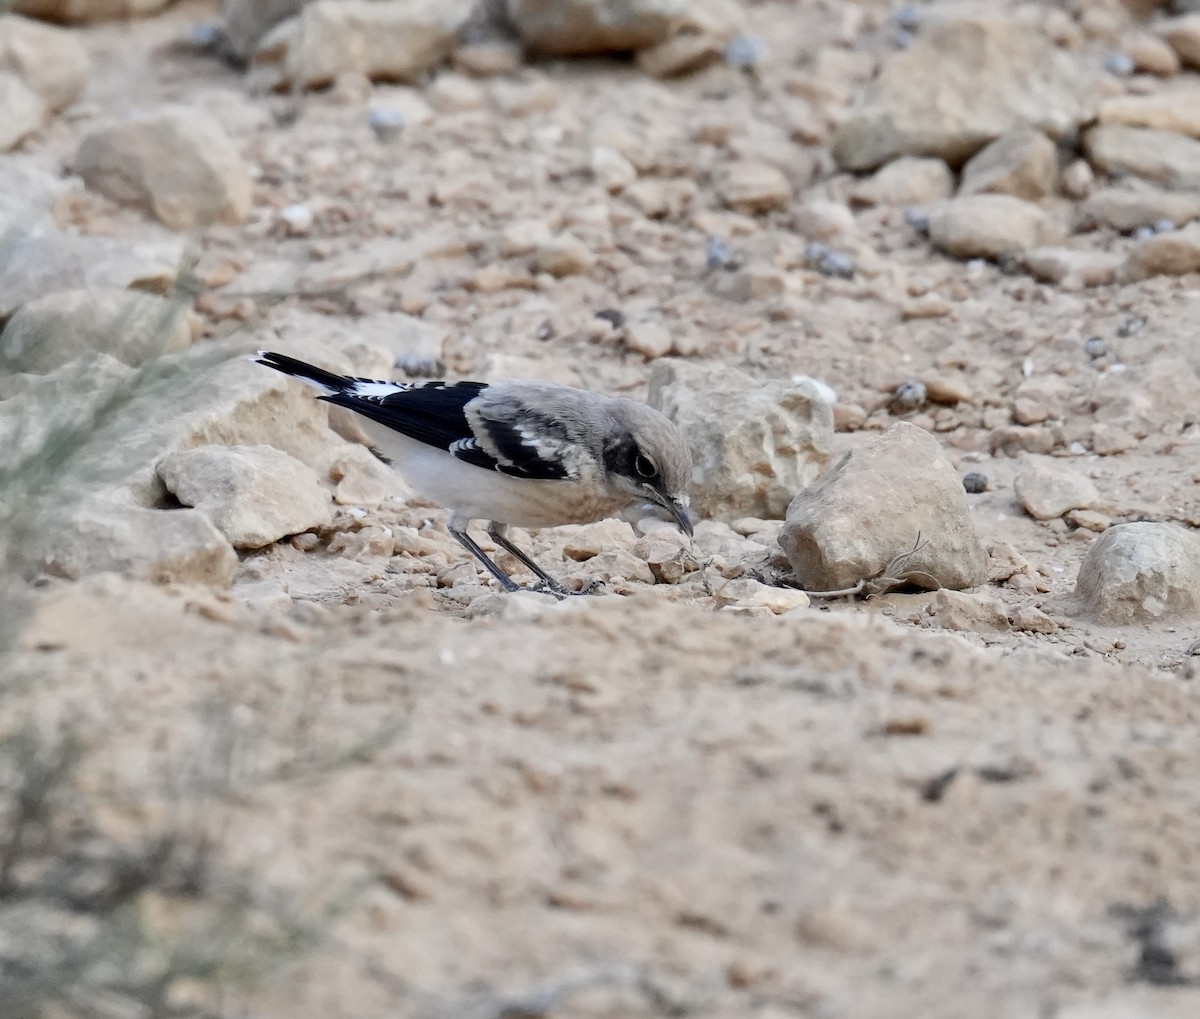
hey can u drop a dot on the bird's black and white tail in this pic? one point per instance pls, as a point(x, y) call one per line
point(329, 384)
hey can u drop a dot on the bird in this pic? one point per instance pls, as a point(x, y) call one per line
point(516, 452)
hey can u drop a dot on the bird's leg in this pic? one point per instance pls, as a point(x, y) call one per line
point(499, 534)
point(468, 543)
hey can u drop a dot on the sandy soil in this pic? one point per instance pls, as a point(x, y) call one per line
point(632, 805)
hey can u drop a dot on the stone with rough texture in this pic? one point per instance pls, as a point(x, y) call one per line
point(35, 264)
point(27, 193)
point(1070, 268)
point(573, 27)
point(1126, 210)
point(909, 180)
point(754, 445)
point(1166, 111)
point(755, 187)
point(51, 61)
point(85, 11)
point(1175, 253)
point(387, 40)
point(22, 111)
point(989, 226)
point(131, 326)
point(1047, 488)
point(177, 162)
point(107, 536)
point(965, 81)
point(1022, 162)
point(984, 612)
point(872, 506)
point(744, 593)
point(254, 495)
point(245, 22)
point(565, 255)
point(1140, 573)
point(1183, 36)
point(1163, 395)
point(1166, 158)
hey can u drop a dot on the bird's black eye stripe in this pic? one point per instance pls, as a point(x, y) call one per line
point(644, 467)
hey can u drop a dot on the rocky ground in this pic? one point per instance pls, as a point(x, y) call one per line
point(920, 285)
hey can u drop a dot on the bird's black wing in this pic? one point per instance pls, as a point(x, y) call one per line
point(430, 412)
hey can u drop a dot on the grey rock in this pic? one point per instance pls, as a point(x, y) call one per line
point(1141, 572)
point(1163, 157)
point(27, 193)
point(133, 327)
point(255, 495)
point(965, 81)
point(754, 445)
point(1048, 488)
point(574, 27)
point(177, 163)
point(870, 508)
point(245, 22)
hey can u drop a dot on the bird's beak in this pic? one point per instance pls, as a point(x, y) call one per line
point(681, 515)
point(677, 508)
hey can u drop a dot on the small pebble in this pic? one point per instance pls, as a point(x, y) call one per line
point(207, 36)
point(719, 255)
point(744, 51)
point(1142, 232)
point(910, 395)
point(1120, 64)
point(974, 482)
point(902, 40)
point(387, 124)
point(1094, 347)
point(907, 18)
point(613, 315)
point(918, 219)
point(1131, 325)
point(1164, 226)
point(829, 262)
point(298, 219)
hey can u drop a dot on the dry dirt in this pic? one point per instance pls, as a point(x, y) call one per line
point(623, 806)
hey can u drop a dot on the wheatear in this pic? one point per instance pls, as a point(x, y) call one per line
point(517, 452)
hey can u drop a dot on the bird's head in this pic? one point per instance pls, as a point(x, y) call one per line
point(648, 459)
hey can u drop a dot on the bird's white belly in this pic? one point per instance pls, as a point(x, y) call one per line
point(476, 493)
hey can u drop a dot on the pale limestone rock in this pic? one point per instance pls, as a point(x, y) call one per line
point(1022, 162)
point(1141, 573)
point(133, 327)
point(177, 163)
point(254, 495)
point(52, 62)
point(1047, 488)
point(1164, 157)
point(966, 80)
point(1175, 253)
point(22, 111)
point(572, 27)
point(754, 444)
point(989, 226)
point(873, 505)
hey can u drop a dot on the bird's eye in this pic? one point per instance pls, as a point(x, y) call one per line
point(644, 466)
